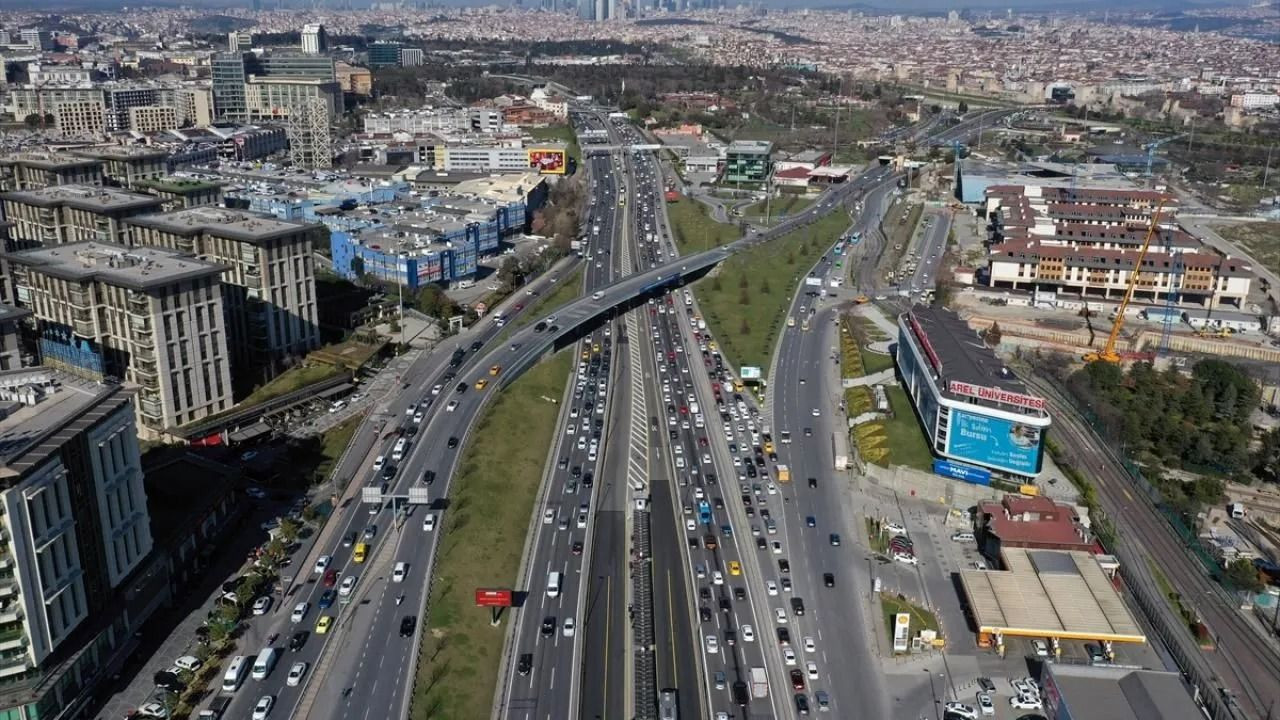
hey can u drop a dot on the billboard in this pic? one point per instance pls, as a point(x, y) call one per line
point(549, 161)
point(749, 372)
point(960, 471)
point(901, 632)
point(490, 597)
point(994, 394)
point(995, 442)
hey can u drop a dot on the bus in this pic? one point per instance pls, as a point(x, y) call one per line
point(667, 707)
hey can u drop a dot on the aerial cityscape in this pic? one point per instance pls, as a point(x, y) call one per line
point(631, 359)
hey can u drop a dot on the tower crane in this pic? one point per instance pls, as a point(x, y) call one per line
point(1109, 353)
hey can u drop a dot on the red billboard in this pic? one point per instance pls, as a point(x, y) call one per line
point(548, 161)
point(493, 598)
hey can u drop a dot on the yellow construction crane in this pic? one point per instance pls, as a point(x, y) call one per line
point(1109, 353)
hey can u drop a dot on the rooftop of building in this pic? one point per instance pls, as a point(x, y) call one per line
point(1156, 260)
point(48, 160)
point(124, 152)
point(962, 355)
point(12, 313)
point(1122, 693)
point(760, 147)
point(84, 197)
point(238, 225)
point(1044, 174)
point(1033, 521)
point(446, 177)
point(41, 408)
point(179, 185)
point(1049, 593)
point(508, 188)
point(138, 268)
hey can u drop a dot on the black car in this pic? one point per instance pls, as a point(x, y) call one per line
point(576, 471)
point(588, 479)
point(548, 626)
point(710, 478)
point(813, 482)
point(797, 606)
point(461, 388)
point(704, 593)
point(476, 346)
point(739, 593)
point(537, 328)
point(407, 624)
point(453, 442)
point(740, 695)
point(784, 636)
point(829, 579)
point(784, 566)
point(428, 476)
point(704, 613)
point(802, 704)
point(576, 548)
point(762, 544)
point(388, 471)
point(349, 539)
point(298, 640)
point(167, 681)
point(725, 604)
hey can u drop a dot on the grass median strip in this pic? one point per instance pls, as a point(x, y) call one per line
point(745, 301)
point(694, 228)
point(491, 502)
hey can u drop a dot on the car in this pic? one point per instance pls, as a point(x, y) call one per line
point(348, 585)
point(829, 579)
point(1042, 650)
point(435, 389)
point(481, 383)
point(704, 613)
point(784, 565)
point(713, 645)
point(569, 627)
point(985, 705)
point(748, 633)
point(797, 679)
point(894, 528)
point(296, 671)
point(817, 412)
point(548, 626)
point(810, 521)
point(378, 462)
point(780, 615)
point(1025, 686)
point(1025, 702)
point(717, 578)
point(777, 547)
point(326, 599)
point(548, 516)
point(811, 669)
point(961, 710)
point(261, 605)
point(809, 645)
point(263, 708)
point(735, 567)
point(771, 587)
point(349, 539)
point(453, 405)
point(525, 665)
point(399, 572)
point(323, 625)
point(906, 559)
point(299, 612)
point(323, 562)
point(834, 539)
point(985, 684)
point(153, 710)
point(370, 532)
point(802, 704)
point(407, 624)
point(788, 656)
point(576, 547)
point(452, 442)
point(797, 606)
point(823, 700)
point(298, 640)
point(190, 663)
point(418, 418)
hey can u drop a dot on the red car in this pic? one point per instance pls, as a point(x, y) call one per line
point(330, 578)
point(518, 307)
point(797, 680)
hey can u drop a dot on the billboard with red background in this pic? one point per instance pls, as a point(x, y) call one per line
point(549, 161)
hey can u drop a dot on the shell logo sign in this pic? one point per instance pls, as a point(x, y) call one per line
point(548, 161)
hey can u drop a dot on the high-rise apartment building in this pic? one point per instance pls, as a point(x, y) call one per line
point(30, 170)
point(80, 119)
point(152, 317)
point(384, 54)
point(126, 165)
point(194, 106)
point(269, 279)
point(152, 118)
point(314, 39)
point(410, 57)
point(76, 541)
point(39, 40)
point(64, 214)
point(239, 41)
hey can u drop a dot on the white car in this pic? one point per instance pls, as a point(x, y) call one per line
point(780, 615)
point(295, 674)
point(895, 528)
point(985, 704)
point(429, 522)
point(748, 634)
point(299, 612)
point(1041, 649)
point(690, 525)
point(548, 517)
point(777, 548)
point(399, 572)
point(261, 605)
point(569, 627)
point(322, 562)
point(789, 656)
point(453, 405)
point(190, 663)
point(771, 587)
point(906, 559)
point(1025, 686)
point(153, 710)
point(435, 389)
point(417, 418)
point(713, 645)
point(263, 708)
point(379, 461)
point(773, 489)
point(811, 669)
point(1025, 702)
point(348, 584)
point(717, 578)
point(961, 710)
point(809, 645)
point(816, 413)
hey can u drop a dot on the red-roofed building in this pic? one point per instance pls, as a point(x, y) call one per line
point(792, 177)
point(1029, 522)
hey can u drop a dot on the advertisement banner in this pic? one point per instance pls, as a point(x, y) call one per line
point(994, 394)
point(959, 471)
point(995, 442)
point(901, 632)
point(749, 372)
point(548, 161)
point(486, 597)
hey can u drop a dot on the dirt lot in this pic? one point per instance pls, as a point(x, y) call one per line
point(1261, 239)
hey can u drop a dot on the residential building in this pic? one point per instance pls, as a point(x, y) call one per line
point(748, 161)
point(354, 80)
point(30, 99)
point(80, 119)
point(65, 214)
point(384, 54)
point(276, 98)
point(269, 279)
point(239, 41)
point(11, 353)
point(126, 165)
point(178, 193)
point(119, 98)
point(410, 57)
point(1255, 100)
point(32, 170)
point(195, 106)
point(152, 317)
point(315, 40)
point(77, 546)
point(39, 40)
point(152, 118)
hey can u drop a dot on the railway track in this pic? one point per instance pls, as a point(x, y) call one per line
point(1244, 661)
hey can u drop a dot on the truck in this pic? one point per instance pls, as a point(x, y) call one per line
point(759, 683)
point(784, 474)
point(704, 512)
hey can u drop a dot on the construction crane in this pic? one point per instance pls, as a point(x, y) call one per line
point(1153, 146)
point(1109, 353)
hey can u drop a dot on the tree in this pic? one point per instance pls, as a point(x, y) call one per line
point(962, 108)
point(744, 282)
point(289, 529)
point(992, 335)
point(744, 297)
point(745, 327)
point(357, 266)
point(32, 121)
point(764, 286)
point(1244, 575)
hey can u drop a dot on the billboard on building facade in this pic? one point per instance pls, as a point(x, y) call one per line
point(995, 442)
point(549, 161)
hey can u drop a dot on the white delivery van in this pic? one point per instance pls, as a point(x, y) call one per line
point(553, 584)
point(265, 661)
point(236, 671)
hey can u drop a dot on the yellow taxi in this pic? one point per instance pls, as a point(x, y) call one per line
point(712, 345)
point(495, 370)
point(735, 567)
point(585, 353)
point(481, 383)
point(326, 622)
point(595, 347)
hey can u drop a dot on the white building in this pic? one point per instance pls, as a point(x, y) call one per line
point(1254, 100)
point(315, 40)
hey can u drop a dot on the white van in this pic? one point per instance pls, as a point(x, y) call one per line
point(597, 295)
point(963, 536)
point(553, 584)
point(264, 663)
point(397, 453)
point(234, 677)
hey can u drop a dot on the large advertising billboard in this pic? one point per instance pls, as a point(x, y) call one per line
point(995, 442)
point(548, 161)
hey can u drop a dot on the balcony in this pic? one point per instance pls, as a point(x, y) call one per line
point(146, 355)
point(80, 299)
point(15, 664)
point(83, 328)
point(138, 305)
point(150, 406)
point(253, 279)
point(11, 613)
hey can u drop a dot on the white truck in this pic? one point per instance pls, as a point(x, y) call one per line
point(759, 683)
